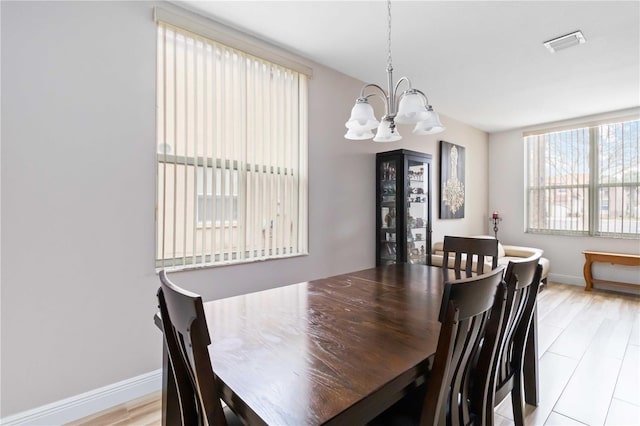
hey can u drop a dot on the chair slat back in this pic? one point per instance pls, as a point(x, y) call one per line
point(522, 279)
point(187, 339)
point(464, 314)
point(469, 249)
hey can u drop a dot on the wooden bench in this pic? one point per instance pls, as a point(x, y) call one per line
point(614, 259)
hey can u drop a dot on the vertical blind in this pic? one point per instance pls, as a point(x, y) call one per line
point(617, 187)
point(585, 180)
point(232, 154)
point(558, 176)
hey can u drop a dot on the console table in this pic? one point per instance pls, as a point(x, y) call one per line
point(614, 259)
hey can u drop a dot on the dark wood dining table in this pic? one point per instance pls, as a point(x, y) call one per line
point(337, 350)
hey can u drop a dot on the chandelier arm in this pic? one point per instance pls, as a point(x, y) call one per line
point(382, 95)
point(378, 95)
point(405, 79)
point(375, 86)
point(425, 96)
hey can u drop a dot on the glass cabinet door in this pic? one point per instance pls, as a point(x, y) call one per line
point(417, 211)
point(388, 226)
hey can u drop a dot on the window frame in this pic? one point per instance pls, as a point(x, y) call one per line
point(591, 187)
point(291, 177)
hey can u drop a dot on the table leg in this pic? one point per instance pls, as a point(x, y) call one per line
point(170, 406)
point(530, 368)
point(588, 278)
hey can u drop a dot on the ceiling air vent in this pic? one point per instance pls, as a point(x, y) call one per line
point(565, 41)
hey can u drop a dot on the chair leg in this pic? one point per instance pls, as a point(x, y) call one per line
point(517, 400)
point(489, 418)
point(543, 284)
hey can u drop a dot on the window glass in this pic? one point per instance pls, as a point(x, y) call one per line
point(584, 181)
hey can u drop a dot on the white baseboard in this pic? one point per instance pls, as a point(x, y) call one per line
point(566, 279)
point(86, 404)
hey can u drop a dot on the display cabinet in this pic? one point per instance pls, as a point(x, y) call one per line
point(403, 207)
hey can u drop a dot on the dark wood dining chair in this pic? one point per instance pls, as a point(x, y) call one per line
point(458, 386)
point(186, 337)
point(469, 249)
point(522, 279)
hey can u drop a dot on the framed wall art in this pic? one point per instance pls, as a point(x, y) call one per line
point(451, 181)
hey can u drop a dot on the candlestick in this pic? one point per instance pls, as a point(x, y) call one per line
point(495, 218)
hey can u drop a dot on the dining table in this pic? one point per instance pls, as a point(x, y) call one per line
point(332, 351)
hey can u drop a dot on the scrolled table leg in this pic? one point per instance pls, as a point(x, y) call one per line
point(587, 273)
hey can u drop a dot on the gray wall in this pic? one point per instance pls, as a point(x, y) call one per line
point(78, 197)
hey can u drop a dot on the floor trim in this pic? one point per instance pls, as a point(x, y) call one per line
point(88, 403)
point(566, 279)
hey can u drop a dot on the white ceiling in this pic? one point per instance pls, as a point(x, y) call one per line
point(479, 62)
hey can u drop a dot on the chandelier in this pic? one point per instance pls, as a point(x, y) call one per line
point(410, 107)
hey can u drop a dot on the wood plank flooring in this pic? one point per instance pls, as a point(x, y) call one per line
point(589, 349)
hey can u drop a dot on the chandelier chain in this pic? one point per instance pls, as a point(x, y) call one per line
point(389, 33)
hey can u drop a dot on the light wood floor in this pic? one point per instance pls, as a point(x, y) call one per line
point(589, 347)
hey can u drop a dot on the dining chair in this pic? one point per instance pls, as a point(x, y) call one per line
point(522, 280)
point(469, 249)
point(186, 337)
point(457, 387)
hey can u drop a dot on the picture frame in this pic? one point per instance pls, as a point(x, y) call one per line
point(452, 182)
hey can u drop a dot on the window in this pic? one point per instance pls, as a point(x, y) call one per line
point(585, 181)
point(231, 157)
point(206, 203)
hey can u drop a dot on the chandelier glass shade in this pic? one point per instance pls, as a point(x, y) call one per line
point(411, 106)
point(362, 116)
point(358, 134)
point(430, 125)
point(387, 132)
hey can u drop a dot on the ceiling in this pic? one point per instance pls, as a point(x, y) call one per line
point(479, 62)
